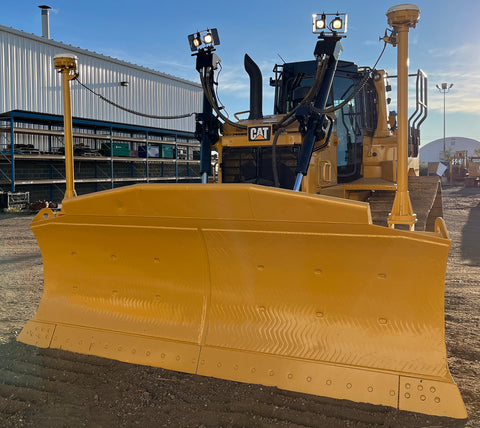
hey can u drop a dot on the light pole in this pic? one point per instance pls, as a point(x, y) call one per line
point(444, 88)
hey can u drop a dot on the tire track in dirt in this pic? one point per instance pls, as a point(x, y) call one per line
point(47, 387)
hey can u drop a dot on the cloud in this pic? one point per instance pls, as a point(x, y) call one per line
point(446, 53)
point(443, 67)
point(234, 82)
point(465, 94)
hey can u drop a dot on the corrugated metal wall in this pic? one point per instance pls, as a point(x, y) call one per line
point(29, 82)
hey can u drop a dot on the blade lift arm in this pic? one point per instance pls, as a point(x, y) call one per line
point(327, 50)
point(207, 125)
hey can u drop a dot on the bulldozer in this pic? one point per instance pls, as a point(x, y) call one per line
point(276, 270)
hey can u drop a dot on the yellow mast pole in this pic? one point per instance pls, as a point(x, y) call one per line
point(402, 18)
point(66, 64)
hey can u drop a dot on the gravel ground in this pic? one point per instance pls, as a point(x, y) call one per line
point(50, 388)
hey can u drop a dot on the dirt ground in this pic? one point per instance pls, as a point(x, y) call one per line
point(51, 388)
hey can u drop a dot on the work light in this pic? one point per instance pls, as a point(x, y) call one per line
point(208, 38)
point(320, 23)
point(337, 25)
point(197, 41)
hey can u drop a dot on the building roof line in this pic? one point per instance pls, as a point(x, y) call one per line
point(87, 52)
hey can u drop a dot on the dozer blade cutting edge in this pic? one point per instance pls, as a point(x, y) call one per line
point(251, 284)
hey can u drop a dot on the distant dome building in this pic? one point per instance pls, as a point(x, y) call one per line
point(431, 152)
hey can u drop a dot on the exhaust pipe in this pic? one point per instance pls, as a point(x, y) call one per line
point(256, 88)
point(45, 21)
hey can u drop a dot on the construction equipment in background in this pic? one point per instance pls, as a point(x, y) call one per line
point(465, 169)
point(473, 177)
point(459, 167)
point(253, 280)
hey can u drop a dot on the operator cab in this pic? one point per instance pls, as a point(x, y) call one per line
point(356, 119)
point(353, 121)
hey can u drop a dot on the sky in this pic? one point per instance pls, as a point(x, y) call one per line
point(153, 33)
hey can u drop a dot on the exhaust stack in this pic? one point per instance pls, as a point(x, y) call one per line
point(256, 91)
point(45, 21)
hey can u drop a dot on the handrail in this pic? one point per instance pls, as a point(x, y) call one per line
point(419, 115)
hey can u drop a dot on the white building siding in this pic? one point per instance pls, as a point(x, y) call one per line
point(29, 82)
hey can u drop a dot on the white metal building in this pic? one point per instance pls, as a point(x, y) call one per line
point(29, 82)
point(112, 147)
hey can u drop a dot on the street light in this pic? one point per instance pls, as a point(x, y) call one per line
point(445, 88)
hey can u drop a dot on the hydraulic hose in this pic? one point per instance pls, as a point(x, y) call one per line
point(207, 90)
point(319, 74)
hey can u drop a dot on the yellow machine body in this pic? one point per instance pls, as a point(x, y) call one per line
point(252, 284)
point(305, 290)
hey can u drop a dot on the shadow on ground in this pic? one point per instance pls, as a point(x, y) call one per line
point(470, 237)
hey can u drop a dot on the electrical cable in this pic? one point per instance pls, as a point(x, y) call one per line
point(363, 82)
point(151, 116)
point(274, 157)
point(222, 106)
point(380, 56)
point(212, 99)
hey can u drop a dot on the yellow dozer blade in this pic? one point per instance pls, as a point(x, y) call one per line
point(251, 284)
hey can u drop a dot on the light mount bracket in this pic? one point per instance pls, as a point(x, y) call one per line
point(203, 41)
point(328, 24)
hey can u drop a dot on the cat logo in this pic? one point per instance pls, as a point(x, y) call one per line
point(259, 133)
